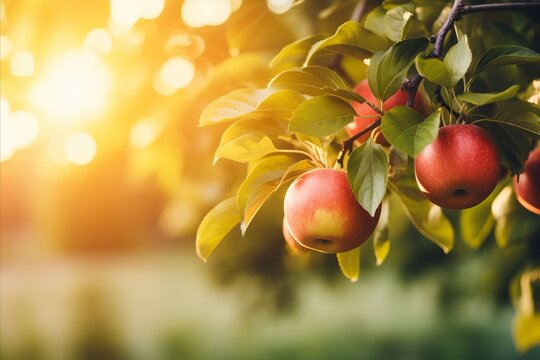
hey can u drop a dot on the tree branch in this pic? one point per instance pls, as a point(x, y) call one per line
point(469, 9)
point(458, 10)
point(347, 145)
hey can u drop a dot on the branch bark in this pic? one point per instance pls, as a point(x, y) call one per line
point(458, 10)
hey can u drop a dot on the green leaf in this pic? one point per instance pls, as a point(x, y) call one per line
point(406, 129)
point(321, 116)
point(458, 60)
point(297, 49)
point(367, 171)
point(389, 70)
point(349, 263)
point(434, 70)
point(505, 55)
point(477, 222)
point(426, 217)
point(488, 98)
point(351, 38)
point(513, 144)
point(263, 181)
point(375, 21)
point(397, 21)
point(309, 80)
point(246, 148)
point(381, 240)
point(249, 103)
point(528, 123)
point(215, 226)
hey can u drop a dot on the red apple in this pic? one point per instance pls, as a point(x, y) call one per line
point(323, 215)
point(366, 115)
point(527, 188)
point(460, 168)
point(294, 246)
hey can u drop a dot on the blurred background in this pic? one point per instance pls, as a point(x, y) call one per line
point(105, 177)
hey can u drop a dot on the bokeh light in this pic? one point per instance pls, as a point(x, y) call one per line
point(279, 6)
point(144, 133)
point(98, 40)
point(25, 128)
point(75, 87)
point(198, 13)
point(80, 148)
point(176, 73)
point(22, 63)
point(5, 47)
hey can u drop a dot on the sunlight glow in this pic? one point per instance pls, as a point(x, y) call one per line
point(144, 133)
point(279, 6)
point(7, 143)
point(76, 87)
point(198, 13)
point(22, 63)
point(98, 40)
point(80, 148)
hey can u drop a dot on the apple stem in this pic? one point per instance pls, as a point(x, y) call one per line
point(347, 145)
point(458, 10)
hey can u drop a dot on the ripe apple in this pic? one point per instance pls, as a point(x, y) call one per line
point(527, 188)
point(460, 168)
point(323, 215)
point(294, 246)
point(366, 115)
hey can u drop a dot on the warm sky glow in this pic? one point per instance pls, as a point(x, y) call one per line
point(80, 148)
point(75, 87)
point(144, 133)
point(5, 47)
point(22, 63)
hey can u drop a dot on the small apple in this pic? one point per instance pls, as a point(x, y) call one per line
point(460, 168)
point(366, 115)
point(292, 245)
point(527, 188)
point(323, 215)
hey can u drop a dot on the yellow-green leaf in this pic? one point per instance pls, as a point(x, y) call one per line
point(215, 226)
point(353, 39)
point(526, 331)
point(263, 181)
point(488, 98)
point(428, 218)
point(381, 240)
point(246, 148)
point(349, 263)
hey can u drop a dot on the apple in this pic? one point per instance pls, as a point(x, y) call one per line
point(366, 114)
point(527, 187)
point(294, 246)
point(460, 168)
point(323, 214)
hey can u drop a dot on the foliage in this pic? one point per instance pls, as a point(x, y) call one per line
point(298, 122)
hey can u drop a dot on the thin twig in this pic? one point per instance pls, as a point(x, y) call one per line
point(347, 145)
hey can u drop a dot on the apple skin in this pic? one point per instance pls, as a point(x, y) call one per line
point(293, 246)
point(366, 115)
point(323, 214)
point(527, 189)
point(460, 168)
